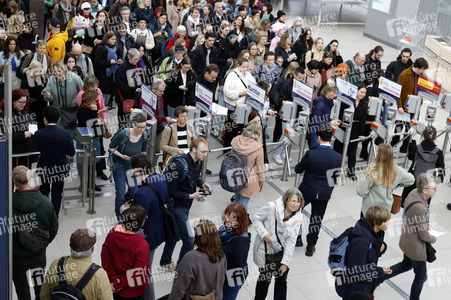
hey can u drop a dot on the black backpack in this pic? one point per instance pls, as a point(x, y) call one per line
point(424, 160)
point(65, 291)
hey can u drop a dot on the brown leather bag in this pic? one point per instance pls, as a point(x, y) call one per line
point(396, 206)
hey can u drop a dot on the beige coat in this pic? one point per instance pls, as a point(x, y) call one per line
point(255, 163)
point(169, 141)
point(98, 288)
point(415, 230)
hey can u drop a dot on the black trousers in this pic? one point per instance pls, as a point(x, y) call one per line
point(316, 218)
point(55, 189)
point(263, 282)
point(21, 264)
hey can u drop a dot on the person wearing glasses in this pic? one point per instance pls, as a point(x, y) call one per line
point(182, 187)
point(22, 134)
point(124, 145)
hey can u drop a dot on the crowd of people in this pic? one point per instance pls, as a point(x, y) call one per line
point(98, 56)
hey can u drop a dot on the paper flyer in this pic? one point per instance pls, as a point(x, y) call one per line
point(219, 110)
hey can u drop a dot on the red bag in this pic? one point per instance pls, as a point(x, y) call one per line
point(127, 104)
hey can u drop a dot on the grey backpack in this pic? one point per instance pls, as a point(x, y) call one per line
point(424, 160)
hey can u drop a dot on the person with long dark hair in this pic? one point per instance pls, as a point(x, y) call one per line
point(332, 48)
point(106, 63)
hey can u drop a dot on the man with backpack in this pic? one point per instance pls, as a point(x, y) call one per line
point(84, 279)
point(183, 177)
point(33, 210)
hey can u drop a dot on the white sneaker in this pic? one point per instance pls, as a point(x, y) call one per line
point(283, 157)
point(278, 159)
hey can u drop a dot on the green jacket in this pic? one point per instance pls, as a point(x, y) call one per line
point(355, 76)
point(32, 201)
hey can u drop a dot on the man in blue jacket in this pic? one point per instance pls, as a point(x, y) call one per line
point(314, 186)
point(183, 177)
point(148, 196)
point(54, 144)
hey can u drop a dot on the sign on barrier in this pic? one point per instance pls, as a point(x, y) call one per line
point(429, 86)
point(256, 95)
point(389, 87)
point(149, 101)
point(204, 97)
point(302, 91)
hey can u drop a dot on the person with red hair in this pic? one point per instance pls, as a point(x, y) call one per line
point(235, 242)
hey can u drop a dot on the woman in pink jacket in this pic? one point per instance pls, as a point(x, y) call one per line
point(250, 145)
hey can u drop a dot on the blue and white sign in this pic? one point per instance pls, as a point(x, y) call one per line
point(204, 97)
point(302, 91)
point(255, 95)
point(389, 87)
point(346, 89)
point(149, 101)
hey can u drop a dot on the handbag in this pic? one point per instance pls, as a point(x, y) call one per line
point(127, 104)
point(68, 113)
point(211, 295)
point(273, 261)
point(170, 226)
point(430, 251)
point(86, 49)
point(396, 206)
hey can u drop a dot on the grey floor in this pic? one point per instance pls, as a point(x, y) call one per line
point(308, 278)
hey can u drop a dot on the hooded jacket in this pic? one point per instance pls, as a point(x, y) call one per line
point(255, 163)
point(33, 202)
point(314, 81)
point(396, 67)
point(56, 46)
point(123, 251)
point(362, 255)
point(264, 221)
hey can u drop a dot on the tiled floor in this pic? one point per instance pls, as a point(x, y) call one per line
point(308, 278)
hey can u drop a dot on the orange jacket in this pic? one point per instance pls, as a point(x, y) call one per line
point(406, 79)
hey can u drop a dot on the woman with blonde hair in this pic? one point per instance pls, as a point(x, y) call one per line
point(316, 52)
point(381, 177)
point(202, 270)
point(249, 144)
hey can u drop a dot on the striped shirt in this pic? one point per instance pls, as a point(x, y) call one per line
point(182, 137)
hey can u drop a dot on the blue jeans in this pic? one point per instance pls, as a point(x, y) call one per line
point(420, 270)
point(121, 178)
point(281, 148)
point(241, 199)
point(185, 234)
point(171, 111)
point(230, 292)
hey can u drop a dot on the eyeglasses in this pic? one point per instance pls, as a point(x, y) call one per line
point(141, 127)
point(22, 102)
point(432, 188)
point(205, 152)
point(228, 217)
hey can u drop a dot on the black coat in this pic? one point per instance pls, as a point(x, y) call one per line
point(123, 74)
point(129, 43)
point(362, 255)
point(106, 83)
point(396, 67)
point(173, 96)
point(226, 50)
point(198, 58)
point(191, 100)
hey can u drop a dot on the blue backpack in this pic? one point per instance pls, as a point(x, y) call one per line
point(170, 167)
point(233, 172)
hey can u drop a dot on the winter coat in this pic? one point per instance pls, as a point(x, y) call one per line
point(407, 80)
point(255, 163)
point(362, 255)
point(322, 107)
point(316, 165)
point(129, 43)
point(377, 194)
point(20, 124)
point(198, 58)
point(236, 249)
point(234, 85)
point(415, 234)
point(73, 85)
point(122, 251)
point(173, 95)
point(169, 140)
point(145, 197)
point(33, 202)
point(226, 50)
point(56, 46)
point(124, 73)
point(196, 275)
point(101, 64)
point(427, 146)
point(279, 51)
point(270, 75)
point(337, 59)
point(191, 95)
point(98, 288)
point(395, 68)
point(150, 43)
point(355, 76)
point(264, 221)
point(174, 17)
point(144, 13)
point(314, 81)
point(191, 26)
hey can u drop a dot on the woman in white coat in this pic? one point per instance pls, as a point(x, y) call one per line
point(273, 249)
point(235, 87)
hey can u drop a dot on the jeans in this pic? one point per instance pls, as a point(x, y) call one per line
point(122, 177)
point(281, 148)
point(149, 294)
point(230, 292)
point(185, 234)
point(264, 280)
point(21, 264)
point(171, 111)
point(241, 199)
point(420, 270)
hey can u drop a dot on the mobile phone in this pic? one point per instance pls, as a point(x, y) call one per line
point(205, 192)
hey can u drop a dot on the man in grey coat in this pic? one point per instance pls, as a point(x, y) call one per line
point(415, 234)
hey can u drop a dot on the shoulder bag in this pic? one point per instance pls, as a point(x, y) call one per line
point(68, 113)
point(273, 261)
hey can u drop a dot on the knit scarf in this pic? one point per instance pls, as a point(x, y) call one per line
point(111, 55)
point(225, 233)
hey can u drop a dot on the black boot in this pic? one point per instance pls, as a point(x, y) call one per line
point(299, 242)
point(310, 250)
point(250, 221)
